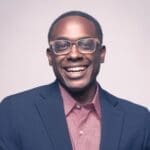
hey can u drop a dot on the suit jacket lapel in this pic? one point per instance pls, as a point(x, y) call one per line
point(50, 108)
point(112, 121)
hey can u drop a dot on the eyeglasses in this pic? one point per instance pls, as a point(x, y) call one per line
point(85, 45)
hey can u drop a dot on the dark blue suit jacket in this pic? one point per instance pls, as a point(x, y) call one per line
point(35, 120)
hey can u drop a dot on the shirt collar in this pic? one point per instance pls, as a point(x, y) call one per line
point(69, 102)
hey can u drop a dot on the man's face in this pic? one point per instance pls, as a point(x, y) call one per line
point(75, 71)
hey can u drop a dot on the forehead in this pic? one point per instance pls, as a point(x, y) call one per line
point(74, 27)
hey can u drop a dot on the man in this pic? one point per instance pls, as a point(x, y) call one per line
point(74, 112)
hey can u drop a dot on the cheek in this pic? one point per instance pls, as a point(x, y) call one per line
point(57, 68)
point(95, 59)
point(56, 62)
point(96, 64)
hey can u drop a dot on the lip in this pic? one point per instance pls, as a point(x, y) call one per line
point(75, 72)
point(75, 68)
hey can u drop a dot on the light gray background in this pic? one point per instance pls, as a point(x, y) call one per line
point(126, 25)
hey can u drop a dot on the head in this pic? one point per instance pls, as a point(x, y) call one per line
point(75, 64)
point(81, 14)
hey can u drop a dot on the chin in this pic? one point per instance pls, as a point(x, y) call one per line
point(76, 86)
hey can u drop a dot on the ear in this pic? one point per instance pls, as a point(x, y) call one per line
point(49, 56)
point(102, 54)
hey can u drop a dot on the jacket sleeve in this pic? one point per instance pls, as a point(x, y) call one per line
point(3, 146)
point(147, 132)
point(8, 140)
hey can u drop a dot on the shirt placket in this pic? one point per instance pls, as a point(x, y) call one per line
point(82, 115)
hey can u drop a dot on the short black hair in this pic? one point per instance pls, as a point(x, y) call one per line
point(82, 14)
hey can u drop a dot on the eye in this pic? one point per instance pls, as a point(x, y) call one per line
point(87, 44)
point(61, 45)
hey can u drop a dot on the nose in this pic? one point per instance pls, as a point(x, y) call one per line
point(74, 53)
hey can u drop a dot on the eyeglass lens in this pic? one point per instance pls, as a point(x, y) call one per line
point(84, 45)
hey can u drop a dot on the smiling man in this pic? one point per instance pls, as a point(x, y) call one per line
point(74, 112)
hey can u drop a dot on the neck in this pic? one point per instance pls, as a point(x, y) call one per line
point(85, 95)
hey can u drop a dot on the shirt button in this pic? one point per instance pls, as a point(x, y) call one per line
point(78, 106)
point(81, 132)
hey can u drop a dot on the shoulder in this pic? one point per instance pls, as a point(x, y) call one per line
point(136, 117)
point(22, 105)
point(124, 104)
point(28, 96)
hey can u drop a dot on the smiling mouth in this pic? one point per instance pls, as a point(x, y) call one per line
point(75, 69)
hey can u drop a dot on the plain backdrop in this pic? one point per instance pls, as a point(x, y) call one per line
point(24, 26)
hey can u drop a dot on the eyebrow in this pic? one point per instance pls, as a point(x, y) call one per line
point(65, 38)
point(61, 38)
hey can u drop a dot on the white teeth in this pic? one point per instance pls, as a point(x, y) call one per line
point(74, 69)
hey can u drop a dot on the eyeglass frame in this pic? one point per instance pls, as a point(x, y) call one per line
point(74, 42)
